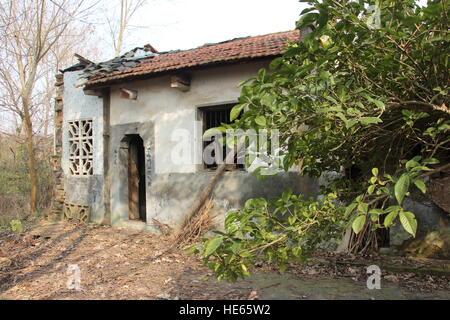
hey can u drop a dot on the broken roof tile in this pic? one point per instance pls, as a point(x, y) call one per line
point(228, 51)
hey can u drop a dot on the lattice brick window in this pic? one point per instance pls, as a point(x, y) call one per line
point(76, 212)
point(80, 147)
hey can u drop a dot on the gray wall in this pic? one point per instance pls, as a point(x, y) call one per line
point(172, 195)
point(86, 190)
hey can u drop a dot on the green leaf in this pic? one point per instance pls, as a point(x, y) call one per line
point(307, 19)
point(212, 245)
point(235, 247)
point(430, 161)
point(420, 185)
point(358, 224)
point(409, 222)
point(268, 100)
point(379, 104)
point(245, 82)
point(192, 250)
point(377, 211)
point(389, 219)
point(306, 10)
point(292, 220)
point(351, 123)
point(393, 208)
point(261, 73)
point(276, 63)
point(245, 254)
point(261, 120)
point(350, 208)
point(236, 111)
point(421, 168)
point(244, 270)
point(363, 207)
point(371, 189)
point(401, 188)
point(375, 172)
point(213, 132)
point(370, 120)
point(411, 163)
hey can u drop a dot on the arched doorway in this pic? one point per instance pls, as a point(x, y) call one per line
point(136, 177)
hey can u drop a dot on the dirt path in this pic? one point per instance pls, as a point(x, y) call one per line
point(117, 263)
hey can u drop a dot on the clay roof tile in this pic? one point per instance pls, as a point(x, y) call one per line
point(228, 51)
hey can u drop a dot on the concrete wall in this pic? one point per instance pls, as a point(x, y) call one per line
point(87, 190)
point(170, 109)
point(171, 195)
point(157, 116)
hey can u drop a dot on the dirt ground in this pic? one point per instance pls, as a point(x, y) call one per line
point(118, 263)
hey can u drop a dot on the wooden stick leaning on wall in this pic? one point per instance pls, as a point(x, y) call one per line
point(202, 200)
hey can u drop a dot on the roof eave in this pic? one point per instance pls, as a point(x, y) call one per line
point(108, 83)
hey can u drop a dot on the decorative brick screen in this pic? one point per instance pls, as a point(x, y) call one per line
point(80, 147)
point(76, 212)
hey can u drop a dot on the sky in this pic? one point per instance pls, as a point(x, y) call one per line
point(184, 24)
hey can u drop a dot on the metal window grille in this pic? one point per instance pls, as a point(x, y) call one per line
point(214, 117)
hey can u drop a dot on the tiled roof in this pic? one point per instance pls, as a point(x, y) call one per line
point(229, 51)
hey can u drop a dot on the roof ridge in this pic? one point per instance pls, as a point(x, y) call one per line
point(226, 41)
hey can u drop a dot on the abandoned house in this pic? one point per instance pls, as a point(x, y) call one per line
point(116, 122)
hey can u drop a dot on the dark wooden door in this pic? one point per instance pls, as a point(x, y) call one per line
point(133, 182)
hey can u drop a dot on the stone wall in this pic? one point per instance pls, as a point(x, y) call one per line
point(58, 189)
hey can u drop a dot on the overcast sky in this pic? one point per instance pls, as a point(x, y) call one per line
point(184, 24)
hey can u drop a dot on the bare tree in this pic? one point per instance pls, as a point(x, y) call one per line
point(118, 24)
point(78, 38)
point(29, 31)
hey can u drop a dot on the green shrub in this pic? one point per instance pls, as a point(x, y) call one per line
point(16, 226)
point(289, 228)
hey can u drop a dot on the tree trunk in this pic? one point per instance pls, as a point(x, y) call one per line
point(31, 158)
point(122, 26)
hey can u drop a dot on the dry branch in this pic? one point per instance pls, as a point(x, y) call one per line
point(198, 219)
point(196, 226)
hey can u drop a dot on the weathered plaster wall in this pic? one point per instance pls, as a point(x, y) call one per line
point(171, 109)
point(156, 115)
point(80, 189)
point(171, 195)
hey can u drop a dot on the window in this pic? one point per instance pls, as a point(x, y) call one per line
point(214, 117)
point(80, 147)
